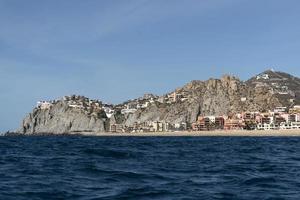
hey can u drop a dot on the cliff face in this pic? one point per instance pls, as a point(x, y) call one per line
point(60, 118)
point(213, 97)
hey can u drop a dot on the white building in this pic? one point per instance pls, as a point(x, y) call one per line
point(212, 118)
point(180, 126)
point(295, 125)
point(76, 106)
point(263, 76)
point(243, 99)
point(160, 126)
point(146, 104)
point(265, 126)
point(44, 105)
point(151, 100)
point(280, 109)
point(108, 111)
point(297, 107)
point(285, 126)
point(128, 110)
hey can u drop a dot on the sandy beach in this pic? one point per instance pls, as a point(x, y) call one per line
point(239, 133)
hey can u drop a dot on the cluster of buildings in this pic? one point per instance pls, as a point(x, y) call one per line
point(132, 106)
point(148, 99)
point(280, 118)
point(173, 97)
point(151, 126)
point(278, 83)
point(91, 107)
point(83, 103)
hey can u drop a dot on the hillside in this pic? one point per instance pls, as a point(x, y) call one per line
point(212, 97)
point(282, 85)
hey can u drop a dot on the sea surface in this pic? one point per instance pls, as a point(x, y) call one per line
point(75, 167)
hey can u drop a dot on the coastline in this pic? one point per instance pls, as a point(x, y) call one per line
point(239, 133)
point(216, 133)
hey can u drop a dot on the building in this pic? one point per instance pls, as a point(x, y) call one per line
point(208, 123)
point(295, 125)
point(160, 126)
point(298, 118)
point(284, 126)
point(219, 123)
point(178, 126)
point(278, 120)
point(270, 126)
point(243, 99)
point(108, 111)
point(116, 128)
point(202, 124)
point(130, 108)
point(145, 105)
point(295, 110)
point(162, 99)
point(280, 109)
point(263, 76)
point(265, 120)
point(233, 124)
point(76, 106)
point(289, 117)
point(248, 116)
point(44, 105)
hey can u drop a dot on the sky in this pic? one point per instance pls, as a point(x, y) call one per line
point(115, 50)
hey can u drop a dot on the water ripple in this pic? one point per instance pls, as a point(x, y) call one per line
point(149, 168)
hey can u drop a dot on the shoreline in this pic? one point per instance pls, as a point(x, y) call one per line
point(239, 133)
point(216, 133)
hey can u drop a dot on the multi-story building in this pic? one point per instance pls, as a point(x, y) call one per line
point(202, 124)
point(233, 124)
point(278, 120)
point(117, 128)
point(266, 120)
point(295, 125)
point(159, 126)
point(219, 123)
point(265, 126)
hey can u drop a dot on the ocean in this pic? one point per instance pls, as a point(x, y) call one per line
point(147, 168)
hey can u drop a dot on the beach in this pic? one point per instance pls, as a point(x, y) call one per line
point(239, 133)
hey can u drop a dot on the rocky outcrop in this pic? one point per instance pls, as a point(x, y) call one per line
point(213, 97)
point(60, 118)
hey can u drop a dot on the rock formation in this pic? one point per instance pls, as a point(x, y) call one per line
point(213, 97)
point(61, 117)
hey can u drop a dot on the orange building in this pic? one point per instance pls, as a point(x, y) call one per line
point(233, 124)
point(202, 124)
point(206, 124)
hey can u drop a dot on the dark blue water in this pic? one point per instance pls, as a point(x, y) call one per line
point(149, 168)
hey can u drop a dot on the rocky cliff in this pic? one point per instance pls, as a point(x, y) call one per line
point(212, 97)
point(61, 117)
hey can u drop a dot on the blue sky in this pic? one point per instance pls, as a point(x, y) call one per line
point(116, 50)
